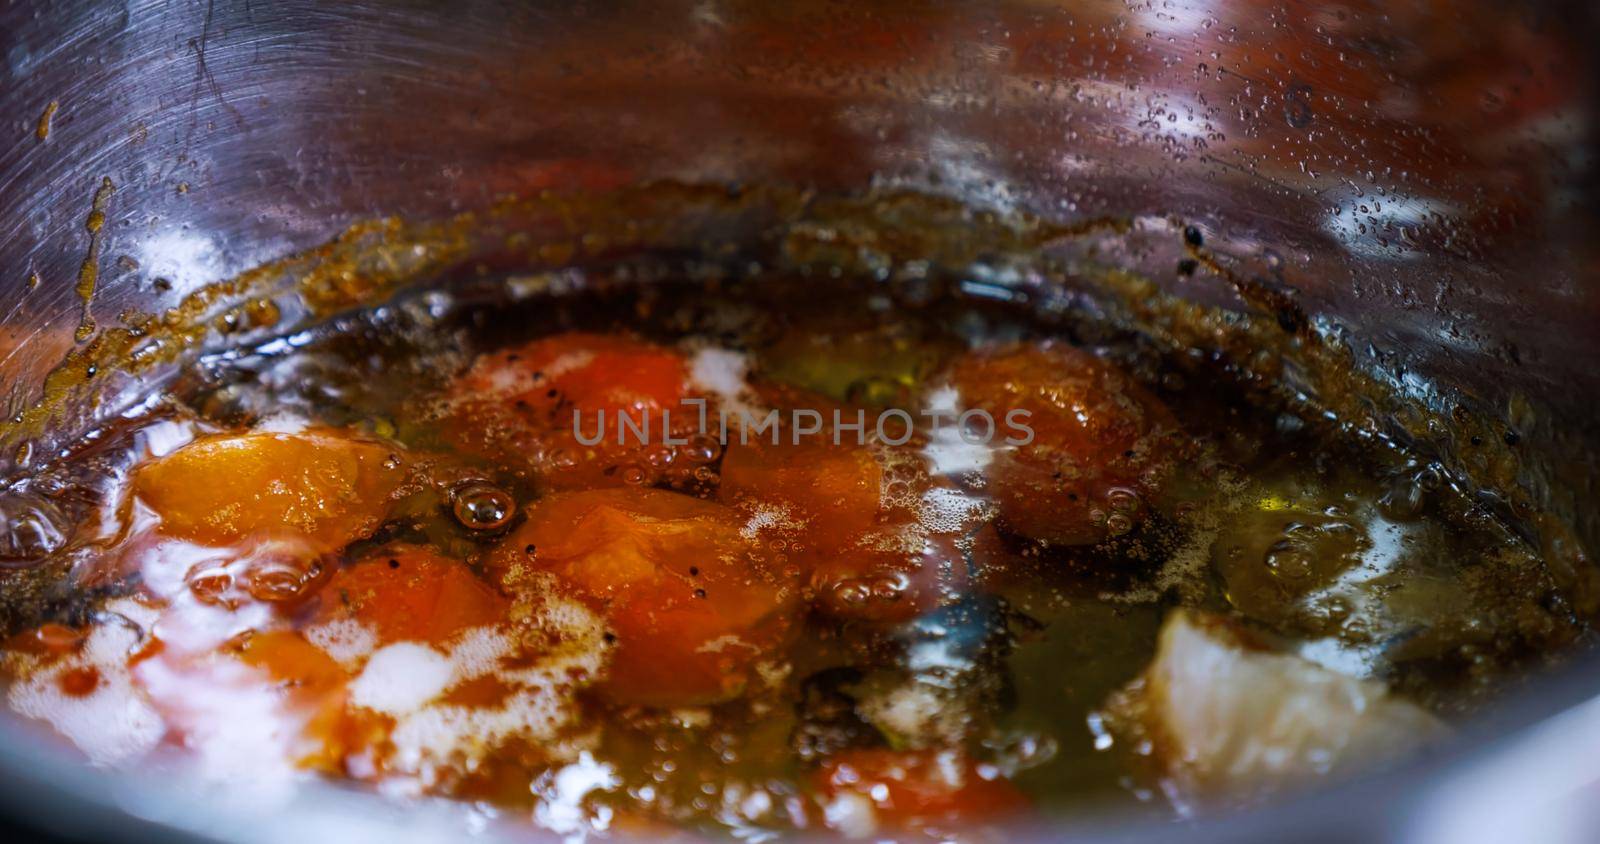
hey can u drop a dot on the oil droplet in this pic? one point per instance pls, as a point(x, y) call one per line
point(211, 585)
point(563, 459)
point(483, 506)
point(850, 593)
point(280, 580)
point(634, 475)
point(57, 638)
point(660, 456)
point(1123, 500)
point(1289, 561)
point(876, 391)
point(702, 448)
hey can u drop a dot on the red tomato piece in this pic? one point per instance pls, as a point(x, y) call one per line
point(693, 601)
point(889, 574)
point(411, 593)
point(1102, 444)
point(836, 488)
point(519, 405)
point(867, 557)
point(865, 792)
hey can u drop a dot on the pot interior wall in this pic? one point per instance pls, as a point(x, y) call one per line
point(1417, 177)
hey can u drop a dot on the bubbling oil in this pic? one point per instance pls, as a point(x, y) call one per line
point(1355, 556)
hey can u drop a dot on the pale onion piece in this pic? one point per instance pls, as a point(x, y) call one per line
point(1230, 718)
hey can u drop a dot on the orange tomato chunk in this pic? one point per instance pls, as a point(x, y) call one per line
point(693, 602)
point(890, 574)
point(411, 593)
point(934, 791)
point(836, 488)
point(852, 514)
point(1101, 447)
point(587, 371)
point(315, 687)
point(292, 661)
point(319, 486)
point(518, 405)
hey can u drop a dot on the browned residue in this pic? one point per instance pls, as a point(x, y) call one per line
point(373, 259)
point(43, 131)
point(89, 272)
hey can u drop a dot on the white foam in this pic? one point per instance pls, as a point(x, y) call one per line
point(115, 722)
point(347, 641)
point(768, 517)
point(724, 373)
point(851, 814)
point(508, 379)
point(540, 706)
point(950, 510)
point(562, 793)
point(283, 422)
point(948, 451)
point(401, 678)
point(231, 716)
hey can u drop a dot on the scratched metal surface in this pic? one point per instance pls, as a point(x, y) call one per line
point(1415, 172)
point(1420, 175)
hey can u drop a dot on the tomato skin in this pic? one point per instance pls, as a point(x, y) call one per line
point(323, 488)
point(47, 639)
point(411, 593)
point(865, 560)
point(518, 406)
point(852, 512)
point(837, 488)
point(590, 372)
point(1101, 447)
point(890, 574)
point(694, 604)
point(315, 685)
point(935, 791)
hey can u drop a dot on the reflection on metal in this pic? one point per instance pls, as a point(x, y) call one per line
point(1421, 172)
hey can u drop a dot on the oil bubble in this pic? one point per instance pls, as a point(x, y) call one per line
point(212, 585)
point(279, 580)
point(481, 506)
point(634, 475)
point(702, 448)
point(31, 529)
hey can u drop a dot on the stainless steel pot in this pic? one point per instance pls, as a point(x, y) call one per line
point(1419, 177)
